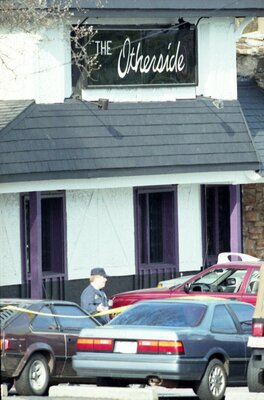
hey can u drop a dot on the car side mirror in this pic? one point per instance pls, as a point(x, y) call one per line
point(187, 287)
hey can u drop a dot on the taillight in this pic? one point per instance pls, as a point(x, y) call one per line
point(4, 344)
point(148, 346)
point(258, 329)
point(160, 346)
point(84, 344)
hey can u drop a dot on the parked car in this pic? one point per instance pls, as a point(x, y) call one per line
point(38, 340)
point(236, 280)
point(255, 374)
point(174, 282)
point(191, 343)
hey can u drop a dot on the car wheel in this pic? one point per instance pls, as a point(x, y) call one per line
point(213, 384)
point(34, 379)
point(253, 378)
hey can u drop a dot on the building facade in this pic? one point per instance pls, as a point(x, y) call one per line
point(147, 168)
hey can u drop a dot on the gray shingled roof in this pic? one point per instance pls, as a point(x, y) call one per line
point(165, 8)
point(251, 99)
point(77, 140)
point(9, 110)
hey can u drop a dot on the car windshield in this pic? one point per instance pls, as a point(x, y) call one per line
point(157, 314)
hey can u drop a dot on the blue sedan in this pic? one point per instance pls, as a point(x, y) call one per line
point(188, 343)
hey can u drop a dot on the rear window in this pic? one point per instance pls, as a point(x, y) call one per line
point(6, 315)
point(173, 315)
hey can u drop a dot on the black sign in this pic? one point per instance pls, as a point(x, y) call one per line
point(145, 57)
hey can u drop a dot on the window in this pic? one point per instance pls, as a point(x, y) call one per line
point(176, 315)
point(74, 323)
point(253, 283)
point(156, 227)
point(221, 210)
point(44, 322)
point(52, 234)
point(222, 321)
point(244, 314)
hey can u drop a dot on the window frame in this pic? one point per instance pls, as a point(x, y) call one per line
point(25, 240)
point(142, 267)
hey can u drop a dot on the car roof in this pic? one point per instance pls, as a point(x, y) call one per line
point(201, 299)
point(247, 264)
point(28, 302)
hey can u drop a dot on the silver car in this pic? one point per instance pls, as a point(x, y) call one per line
point(191, 343)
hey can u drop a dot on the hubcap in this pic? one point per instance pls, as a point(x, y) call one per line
point(216, 381)
point(37, 375)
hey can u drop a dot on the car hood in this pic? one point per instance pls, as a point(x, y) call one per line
point(134, 296)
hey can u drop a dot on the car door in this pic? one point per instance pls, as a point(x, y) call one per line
point(230, 339)
point(45, 333)
point(71, 319)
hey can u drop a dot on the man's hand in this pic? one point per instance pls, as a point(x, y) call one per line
point(101, 308)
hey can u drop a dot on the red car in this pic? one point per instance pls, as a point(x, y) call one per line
point(236, 280)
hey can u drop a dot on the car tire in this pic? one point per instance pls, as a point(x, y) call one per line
point(213, 383)
point(34, 379)
point(253, 378)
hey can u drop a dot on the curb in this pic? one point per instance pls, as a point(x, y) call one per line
point(108, 393)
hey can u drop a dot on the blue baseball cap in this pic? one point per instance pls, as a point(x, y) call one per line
point(99, 271)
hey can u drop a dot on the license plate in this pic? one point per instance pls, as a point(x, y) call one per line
point(125, 347)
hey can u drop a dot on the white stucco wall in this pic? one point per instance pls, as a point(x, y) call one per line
point(100, 232)
point(35, 65)
point(190, 227)
point(217, 58)
point(38, 66)
point(10, 250)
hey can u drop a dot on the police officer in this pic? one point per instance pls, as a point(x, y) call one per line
point(93, 298)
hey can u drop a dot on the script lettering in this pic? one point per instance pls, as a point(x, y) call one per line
point(130, 59)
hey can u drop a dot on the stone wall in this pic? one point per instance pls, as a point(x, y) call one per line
point(253, 219)
point(250, 53)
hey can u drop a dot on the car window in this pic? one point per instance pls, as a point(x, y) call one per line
point(253, 282)
point(74, 323)
point(44, 322)
point(226, 280)
point(244, 314)
point(222, 321)
point(176, 315)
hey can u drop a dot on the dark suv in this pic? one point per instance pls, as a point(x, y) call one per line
point(37, 343)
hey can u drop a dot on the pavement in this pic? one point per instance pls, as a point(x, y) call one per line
point(92, 392)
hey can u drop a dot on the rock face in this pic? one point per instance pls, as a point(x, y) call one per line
point(250, 55)
point(253, 219)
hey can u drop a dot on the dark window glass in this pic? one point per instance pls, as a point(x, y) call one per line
point(216, 221)
point(222, 321)
point(176, 315)
point(44, 322)
point(52, 234)
point(75, 318)
point(244, 313)
point(157, 227)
